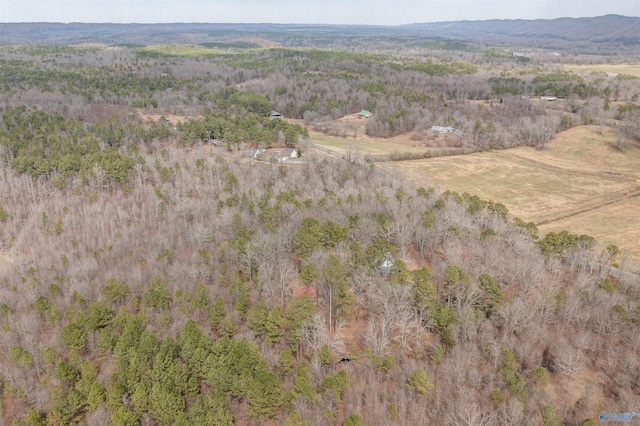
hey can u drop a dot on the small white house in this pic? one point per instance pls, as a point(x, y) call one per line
point(385, 265)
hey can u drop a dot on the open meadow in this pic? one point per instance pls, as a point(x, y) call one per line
point(579, 182)
point(625, 69)
point(364, 146)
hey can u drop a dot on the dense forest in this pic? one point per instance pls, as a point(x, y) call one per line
point(483, 94)
point(149, 277)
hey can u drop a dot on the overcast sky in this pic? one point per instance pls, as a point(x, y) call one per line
point(379, 12)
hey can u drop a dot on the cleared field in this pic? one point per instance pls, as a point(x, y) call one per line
point(618, 223)
point(168, 50)
point(580, 182)
point(530, 191)
point(584, 150)
point(629, 69)
point(363, 145)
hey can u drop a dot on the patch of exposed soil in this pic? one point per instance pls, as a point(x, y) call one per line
point(351, 334)
point(5, 262)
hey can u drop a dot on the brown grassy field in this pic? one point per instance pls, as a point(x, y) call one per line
point(530, 190)
point(629, 69)
point(579, 182)
point(618, 223)
point(363, 145)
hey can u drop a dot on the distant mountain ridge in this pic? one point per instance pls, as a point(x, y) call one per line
point(601, 29)
point(614, 30)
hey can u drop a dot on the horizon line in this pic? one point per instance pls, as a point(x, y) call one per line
point(309, 23)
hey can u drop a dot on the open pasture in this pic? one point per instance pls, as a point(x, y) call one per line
point(579, 182)
point(617, 223)
point(366, 146)
point(626, 69)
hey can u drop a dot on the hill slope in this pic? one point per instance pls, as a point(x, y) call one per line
point(173, 301)
point(611, 30)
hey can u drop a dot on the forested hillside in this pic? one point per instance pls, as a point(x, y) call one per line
point(150, 277)
point(610, 34)
point(485, 95)
point(172, 300)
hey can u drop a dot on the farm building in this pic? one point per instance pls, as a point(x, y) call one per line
point(252, 153)
point(285, 154)
point(364, 114)
point(441, 129)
